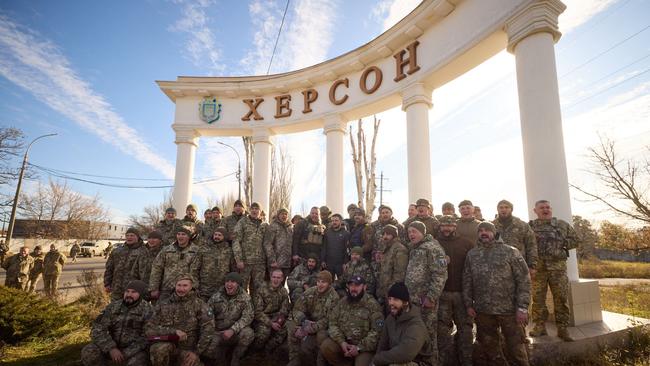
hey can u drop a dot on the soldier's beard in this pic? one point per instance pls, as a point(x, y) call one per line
point(128, 301)
point(355, 298)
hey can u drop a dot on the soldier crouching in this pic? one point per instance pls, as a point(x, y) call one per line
point(271, 311)
point(117, 334)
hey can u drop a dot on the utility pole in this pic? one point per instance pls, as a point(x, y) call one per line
point(381, 188)
point(238, 168)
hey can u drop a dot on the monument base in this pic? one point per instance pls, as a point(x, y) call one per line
point(584, 302)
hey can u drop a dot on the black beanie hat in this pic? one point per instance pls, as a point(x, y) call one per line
point(138, 286)
point(399, 291)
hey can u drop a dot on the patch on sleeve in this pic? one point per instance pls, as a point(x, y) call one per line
point(210, 314)
point(441, 261)
point(379, 323)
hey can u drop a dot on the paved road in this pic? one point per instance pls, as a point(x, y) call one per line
point(621, 281)
point(68, 284)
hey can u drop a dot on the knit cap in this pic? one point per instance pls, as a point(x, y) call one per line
point(399, 291)
point(488, 226)
point(139, 286)
point(419, 226)
point(390, 229)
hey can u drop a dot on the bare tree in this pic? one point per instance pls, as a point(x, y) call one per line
point(364, 163)
point(226, 203)
point(248, 169)
point(151, 215)
point(625, 181)
point(11, 146)
point(281, 180)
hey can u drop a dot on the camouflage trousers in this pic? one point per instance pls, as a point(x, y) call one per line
point(19, 283)
point(307, 348)
point(167, 354)
point(91, 355)
point(253, 276)
point(266, 338)
point(487, 335)
point(451, 311)
point(238, 343)
point(430, 319)
point(50, 284)
point(334, 355)
point(551, 274)
point(33, 280)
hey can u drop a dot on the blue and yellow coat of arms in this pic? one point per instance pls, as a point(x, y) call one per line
point(210, 109)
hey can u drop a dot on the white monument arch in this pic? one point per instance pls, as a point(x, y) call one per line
point(437, 42)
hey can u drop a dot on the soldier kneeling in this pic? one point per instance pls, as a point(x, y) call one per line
point(117, 334)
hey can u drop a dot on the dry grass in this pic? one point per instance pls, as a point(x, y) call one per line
point(595, 268)
point(632, 300)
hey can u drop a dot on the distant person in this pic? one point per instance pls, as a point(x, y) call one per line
point(74, 251)
point(478, 214)
point(325, 215)
point(18, 267)
point(120, 263)
point(307, 237)
point(52, 268)
point(248, 249)
point(238, 212)
point(271, 312)
point(141, 269)
point(423, 215)
point(4, 251)
point(37, 271)
point(108, 250)
point(349, 222)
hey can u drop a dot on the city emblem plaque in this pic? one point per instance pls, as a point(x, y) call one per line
point(210, 109)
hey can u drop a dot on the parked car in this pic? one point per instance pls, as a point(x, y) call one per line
point(90, 249)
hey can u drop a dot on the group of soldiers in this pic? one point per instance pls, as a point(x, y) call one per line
point(25, 269)
point(356, 292)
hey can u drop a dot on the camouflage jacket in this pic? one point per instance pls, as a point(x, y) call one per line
point(358, 323)
point(38, 264)
point(300, 276)
point(171, 262)
point(189, 314)
point(315, 307)
point(18, 268)
point(249, 236)
point(168, 229)
point(430, 222)
point(518, 234)
point(53, 262)
point(142, 268)
point(468, 229)
point(119, 267)
point(554, 239)
point(427, 270)
point(360, 268)
point(207, 231)
point(392, 267)
point(214, 266)
point(196, 224)
point(378, 228)
point(229, 223)
point(271, 304)
point(495, 279)
point(122, 327)
point(277, 243)
point(231, 312)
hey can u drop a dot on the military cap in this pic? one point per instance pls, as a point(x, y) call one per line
point(386, 207)
point(137, 285)
point(170, 209)
point(399, 291)
point(222, 230)
point(133, 230)
point(324, 210)
point(239, 203)
point(488, 226)
point(282, 209)
point(325, 276)
point(155, 235)
point(216, 209)
point(465, 203)
point(419, 226)
point(192, 207)
point(390, 229)
point(504, 202)
point(357, 250)
point(37, 247)
point(357, 280)
point(234, 277)
point(184, 276)
point(255, 205)
point(447, 205)
point(360, 211)
point(313, 256)
point(423, 202)
point(352, 206)
point(447, 220)
point(187, 229)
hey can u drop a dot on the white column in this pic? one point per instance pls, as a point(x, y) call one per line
point(262, 168)
point(186, 144)
point(416, 102)
point(334, 130)
point(531, 37)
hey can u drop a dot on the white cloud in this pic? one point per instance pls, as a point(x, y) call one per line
point(579, 12)
point(200, 46)
point(39, 66)
point(392, 11)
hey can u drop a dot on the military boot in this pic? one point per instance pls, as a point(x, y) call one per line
point(538, 330)
point(563, 334)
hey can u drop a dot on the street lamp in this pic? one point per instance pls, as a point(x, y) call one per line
point(12, 218)
point(238, 169)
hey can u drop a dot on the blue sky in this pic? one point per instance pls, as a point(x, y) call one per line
point(87, 71)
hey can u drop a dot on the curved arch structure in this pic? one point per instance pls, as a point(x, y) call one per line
point(435, 43)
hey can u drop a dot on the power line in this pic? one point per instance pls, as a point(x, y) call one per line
point(277, 38)
point(618, 70)
point(99, 176)
point(607, 89)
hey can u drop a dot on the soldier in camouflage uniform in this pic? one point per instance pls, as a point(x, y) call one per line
point(496, 291)
point(467, 225)
point(248, 249)
point(233, 314)
point(325, 215)
point(307, 237)
point(120, 264)
point(211, 224)
point(394, 259)
point(142, 268)
point(191, 218)
point(216, 256)
point(303, 277)
point(18, 267)
point(37, 271)
point(277, 242)
point(117, 334)
point(385, 218)
point(349, 222)
point(423, 215)
point(518, 234)
point(185, 318)
point(4, 251)
point(169, 226)
point(478, 214)
point(357, 266)
point(271, 311)
point(427, 273)
point(308, 325)
point(554, 240)
point(52, 268)
point(448, 209)
point(354, 327)
point(182, 257)
point(362, 235)
point(238, 212)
